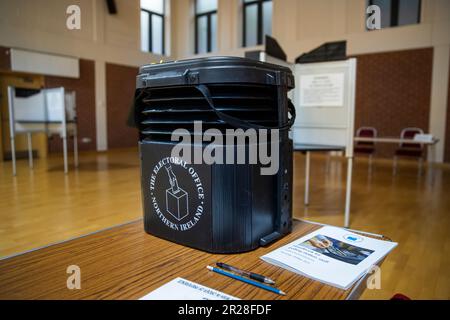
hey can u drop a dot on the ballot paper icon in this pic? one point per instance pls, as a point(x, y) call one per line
point(177, 199)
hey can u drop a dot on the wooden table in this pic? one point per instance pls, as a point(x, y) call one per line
point(396, 140)
point(431, 145)
point(124, 262)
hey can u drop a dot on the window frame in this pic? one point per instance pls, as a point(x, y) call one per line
point(208, 15)
point(150, 33)
point(395, 12)
point(260, 18)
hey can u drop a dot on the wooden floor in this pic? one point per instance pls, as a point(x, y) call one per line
point(44, 206)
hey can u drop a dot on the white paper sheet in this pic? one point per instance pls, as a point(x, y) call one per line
point(322, 90)
point(182, 289)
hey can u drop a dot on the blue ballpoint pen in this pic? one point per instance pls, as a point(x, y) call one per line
point(246, 280)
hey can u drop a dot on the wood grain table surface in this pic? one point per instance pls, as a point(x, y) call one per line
point(124, 262)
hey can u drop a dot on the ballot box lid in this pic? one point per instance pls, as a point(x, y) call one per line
point(212, 70)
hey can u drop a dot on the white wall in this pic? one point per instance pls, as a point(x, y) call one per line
point(302, 25)
point(41, 25)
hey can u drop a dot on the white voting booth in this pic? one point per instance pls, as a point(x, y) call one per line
point(52, 111)
point(324, 99)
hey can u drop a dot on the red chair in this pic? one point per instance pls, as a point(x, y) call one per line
point(366, 147)
point(409, 150)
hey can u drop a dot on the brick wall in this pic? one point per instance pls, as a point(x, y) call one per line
point(120, 87)
point(393, 91)
point(85, 103)
point(5, 59)
point(447, 133)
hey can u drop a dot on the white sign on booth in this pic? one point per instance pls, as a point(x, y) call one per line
point(322, 90)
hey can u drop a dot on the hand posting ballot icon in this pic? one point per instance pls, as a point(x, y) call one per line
point(320, 243)
point(172, 179)
point(177, 200)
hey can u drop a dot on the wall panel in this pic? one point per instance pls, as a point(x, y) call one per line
point(447, 133)
point(5, 59)
point(120, 87)
point(393, 91)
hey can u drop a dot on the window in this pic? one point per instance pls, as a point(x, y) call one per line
point(205, 26)
point(152, 26)
point(257, 21)
point(398, 12)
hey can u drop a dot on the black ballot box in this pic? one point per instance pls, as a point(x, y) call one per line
point(223, 206)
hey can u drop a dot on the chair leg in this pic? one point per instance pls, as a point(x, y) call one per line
point(394, 167)
point(328, 163)
point(75, 149)
point(30, 150)
point(13, 156)
point(370, 163)
point(420, 166)
point(66, 169)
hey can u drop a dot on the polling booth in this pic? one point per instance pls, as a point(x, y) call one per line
point(324, 97)
point(52, 111)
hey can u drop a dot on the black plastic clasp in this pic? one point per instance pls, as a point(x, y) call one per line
point(267, 240)
point(192, 78)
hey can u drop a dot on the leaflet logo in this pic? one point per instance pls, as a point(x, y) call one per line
point(353, 238)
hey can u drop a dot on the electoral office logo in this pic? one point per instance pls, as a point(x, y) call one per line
point(177, 194)
point(353, 238)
